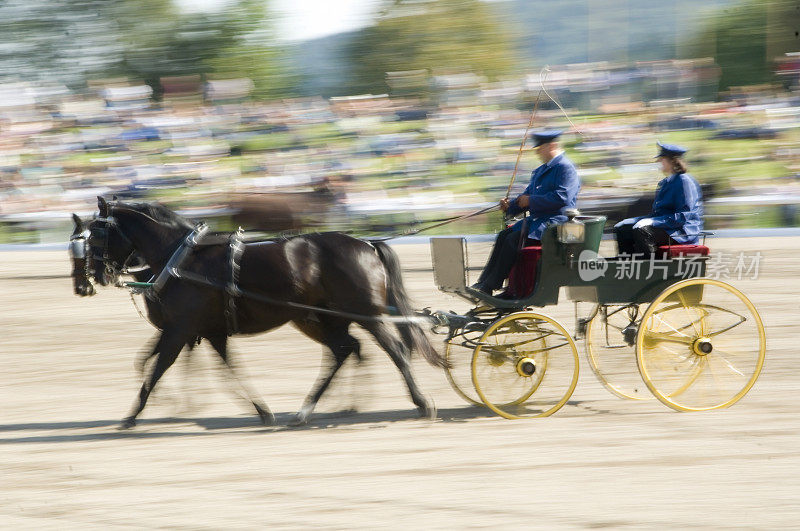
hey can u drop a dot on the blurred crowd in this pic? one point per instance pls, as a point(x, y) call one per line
point(366, 161)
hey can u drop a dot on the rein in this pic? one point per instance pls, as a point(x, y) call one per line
point(440, 223)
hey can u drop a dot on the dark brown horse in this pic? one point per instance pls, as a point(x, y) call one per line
point(320, 282)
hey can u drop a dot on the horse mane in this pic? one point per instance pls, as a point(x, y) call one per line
point(160, 213)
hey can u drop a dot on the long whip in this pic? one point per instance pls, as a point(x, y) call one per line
point(574, 127)
point(528, 128)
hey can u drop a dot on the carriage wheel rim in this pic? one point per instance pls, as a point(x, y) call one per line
point(640, 342)
point(575, 371)
point(451, 379)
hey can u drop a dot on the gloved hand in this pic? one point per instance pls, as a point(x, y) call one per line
point(644, 222)
point(627, 221)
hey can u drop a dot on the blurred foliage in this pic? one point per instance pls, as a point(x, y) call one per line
point(442, 36)
point(57, 40)
point(746, 38)
point(69, 41)
point(160, 40)
point(74, 40)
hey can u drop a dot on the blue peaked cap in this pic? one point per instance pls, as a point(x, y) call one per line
point(543, 137)
point(670, 150)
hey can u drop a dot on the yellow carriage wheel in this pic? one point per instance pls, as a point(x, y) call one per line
point(701, 345)
point(525, 366)
point(611, 350)
point(459, 374)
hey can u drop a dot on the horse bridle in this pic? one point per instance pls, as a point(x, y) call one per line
point(78, 250)
point(112, 267)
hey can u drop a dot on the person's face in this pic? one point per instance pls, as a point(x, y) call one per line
point(544, 151)
point(666, 165)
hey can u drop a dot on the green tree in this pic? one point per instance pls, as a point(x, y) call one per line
point(161, 41)
point(57, 40)
point(71, 41)
point(746, 39)
point(437, 36)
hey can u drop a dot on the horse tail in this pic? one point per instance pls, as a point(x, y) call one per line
point(410, 331)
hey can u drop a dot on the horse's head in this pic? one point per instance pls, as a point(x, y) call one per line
point(110, 252)
point(111, 249)
point(78, 253)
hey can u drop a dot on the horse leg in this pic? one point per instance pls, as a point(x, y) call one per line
point(220, 344)
point(168, 346)
point(341, 344)
point(141, 362)
point(400, 355)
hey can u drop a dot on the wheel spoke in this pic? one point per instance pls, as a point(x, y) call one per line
point(721, 355)
point(671, 327)
point(610, 356)
point(682, 298)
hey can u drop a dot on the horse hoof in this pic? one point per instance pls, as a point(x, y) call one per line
point(127, 423)
point(267, 418)
point(298, 420)
point(427, 412)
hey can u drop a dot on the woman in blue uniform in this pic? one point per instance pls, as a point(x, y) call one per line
point(677, 216)
point(553, 189)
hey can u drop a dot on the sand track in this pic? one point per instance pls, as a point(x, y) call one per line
point(200, 460)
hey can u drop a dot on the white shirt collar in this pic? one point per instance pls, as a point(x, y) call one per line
point(554, 159)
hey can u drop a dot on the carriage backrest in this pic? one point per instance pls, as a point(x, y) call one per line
point(449, 256)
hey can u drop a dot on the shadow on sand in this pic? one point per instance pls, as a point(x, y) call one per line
point(76, 431)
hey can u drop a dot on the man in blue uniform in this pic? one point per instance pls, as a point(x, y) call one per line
point(677, 216)
point(553, 189)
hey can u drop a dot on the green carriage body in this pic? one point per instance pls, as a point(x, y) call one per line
point(571, 266)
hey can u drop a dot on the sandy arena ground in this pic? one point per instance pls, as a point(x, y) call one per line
point(200, 460)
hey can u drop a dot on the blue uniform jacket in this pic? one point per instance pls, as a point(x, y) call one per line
point(678, 208)
point(553, 189)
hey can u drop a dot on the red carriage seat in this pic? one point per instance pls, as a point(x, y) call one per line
point(676, 251)
point(522, 278)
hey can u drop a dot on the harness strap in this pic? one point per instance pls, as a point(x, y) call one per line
point(232, 290)
point(177, 258)
point(236, 249)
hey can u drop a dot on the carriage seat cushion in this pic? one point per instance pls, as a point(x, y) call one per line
point(675, 251)
point(522, 278)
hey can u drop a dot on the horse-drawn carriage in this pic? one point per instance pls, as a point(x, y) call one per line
point(698, 343)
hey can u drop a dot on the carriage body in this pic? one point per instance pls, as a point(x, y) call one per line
point(587, 276)
point(654, 320)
